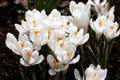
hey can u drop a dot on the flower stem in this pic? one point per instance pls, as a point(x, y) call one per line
point(33, 73)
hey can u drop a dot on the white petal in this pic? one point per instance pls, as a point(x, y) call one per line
point(85, 38)
point(75, 60)
point(50, 60)
point(51, 72)
point(77, 74)
point(19, 28)
point(72, 7)
point(23, 62)
point(10, 40)
point(39, 59)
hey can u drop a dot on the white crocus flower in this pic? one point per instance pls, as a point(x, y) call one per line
point(99, 25)
point(22, 29)
point(65, 53)
point(80, 14)
point(110, 15)
point(37, 37)
point(101, 8)
point(111, 30)
point(34, 18)
point(55, 66)
point(17, 46)
point(77, 37)
point(95, 73)
point(30, 57)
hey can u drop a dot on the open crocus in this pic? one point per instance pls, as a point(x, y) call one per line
point(30, 57)
point(95, 73)
point(34, 18)
point(92, 73)
point(55, 66)
point(65, 53)
point(80, 14)
point(111, 31)
point(77, 37)
point(99, 25)
point(17, 45)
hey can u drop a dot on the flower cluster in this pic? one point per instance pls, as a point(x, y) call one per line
point(62, 34)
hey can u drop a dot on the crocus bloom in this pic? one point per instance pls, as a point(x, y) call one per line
point(92, 73)
point(77, 37)
point(55, 66)
point(80, 14)
point(111, 31)
point(30, 57)
point(95, 73)
point(101, 8)
point(65, 53)
point(22, 29)
point(98, 26)
point(34, 18)
point(17, 45)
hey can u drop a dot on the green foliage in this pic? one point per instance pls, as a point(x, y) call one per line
point(47, 5)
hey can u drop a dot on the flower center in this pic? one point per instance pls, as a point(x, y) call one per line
point(68, 54)
point(28, 54)
point(75, 32)
point(61, 45)
point(36, 32)
point(22, 44)
point(112, 27)
point(34, 23)
point(49, 33)
point(94, 75)
point(62, 25)
point(100, 23)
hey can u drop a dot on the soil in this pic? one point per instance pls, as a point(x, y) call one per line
point(9, 61)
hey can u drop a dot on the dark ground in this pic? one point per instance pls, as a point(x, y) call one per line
point(9, 61)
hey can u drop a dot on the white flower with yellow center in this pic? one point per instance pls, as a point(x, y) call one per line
point(17, 46)
point(95, 73)
point(55, 66)
point(37, 37)
point(77, 37)
point(35, 18)
point(65, 52)
point(80, 14)
point(99, 25)
point(92, 73)
point(30, 57)
point(111, 30)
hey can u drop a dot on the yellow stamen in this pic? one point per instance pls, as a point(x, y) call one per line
point(75, 32)
point(28, 54)
point(107, 16)
point(62, 25)
point(94, 75)
point(61, 44)
point(58, 39)
point(68, 54)
point(22, 44)
point(100, 23)
point(34, 23)
point(36, 32)
point(49, 33)
point(112, 27)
